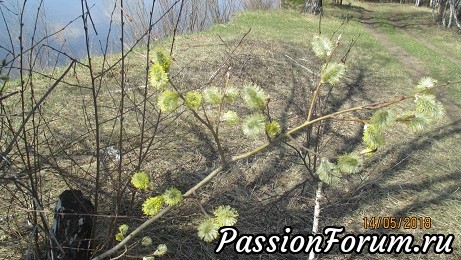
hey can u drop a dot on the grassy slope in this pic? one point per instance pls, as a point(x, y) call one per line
point(409, 183)
point(417, 177)
point(422, 186)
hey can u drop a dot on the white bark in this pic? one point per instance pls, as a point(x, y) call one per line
point(455, 9)
point(313, 6)
point(315, 223)
point(456, 15)
point(444, 22)
point(450, 17)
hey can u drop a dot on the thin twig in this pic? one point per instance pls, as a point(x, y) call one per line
point(176, 27)
point(224, 63)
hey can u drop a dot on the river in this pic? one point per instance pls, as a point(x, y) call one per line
point(55, 27)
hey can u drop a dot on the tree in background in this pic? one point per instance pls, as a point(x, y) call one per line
point(445, 11)
point(313, 6)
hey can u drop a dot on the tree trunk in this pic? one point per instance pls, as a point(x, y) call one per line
point(434, 5)
point(315, 223)
point(313, 6)
point(457, 16)
point(455, 10)
point(445, 23)
point(441, 8)
point(450, 17)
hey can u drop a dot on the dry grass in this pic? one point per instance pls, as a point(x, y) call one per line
point(415, 175)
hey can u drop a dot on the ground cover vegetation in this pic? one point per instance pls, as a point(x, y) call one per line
point(234, 108)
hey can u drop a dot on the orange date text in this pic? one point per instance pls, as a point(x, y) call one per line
point(397, 222)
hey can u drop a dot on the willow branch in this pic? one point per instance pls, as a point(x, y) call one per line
point(235, 159)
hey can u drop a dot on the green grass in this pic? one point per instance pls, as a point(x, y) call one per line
point(442, 43)
point(424, 187)
point(414, 175)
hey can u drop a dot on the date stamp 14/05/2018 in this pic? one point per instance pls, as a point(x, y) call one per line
point(397, 223)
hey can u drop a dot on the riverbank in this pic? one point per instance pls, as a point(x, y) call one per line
point(413, 176)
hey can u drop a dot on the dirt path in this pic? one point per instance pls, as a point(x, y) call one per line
point(394, 19)
point(412, 64)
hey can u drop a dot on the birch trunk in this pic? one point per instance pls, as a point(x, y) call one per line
point(313, 6)
point(455, 9)
point(315, 223)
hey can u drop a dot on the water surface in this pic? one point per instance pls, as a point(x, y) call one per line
point(54, 27)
